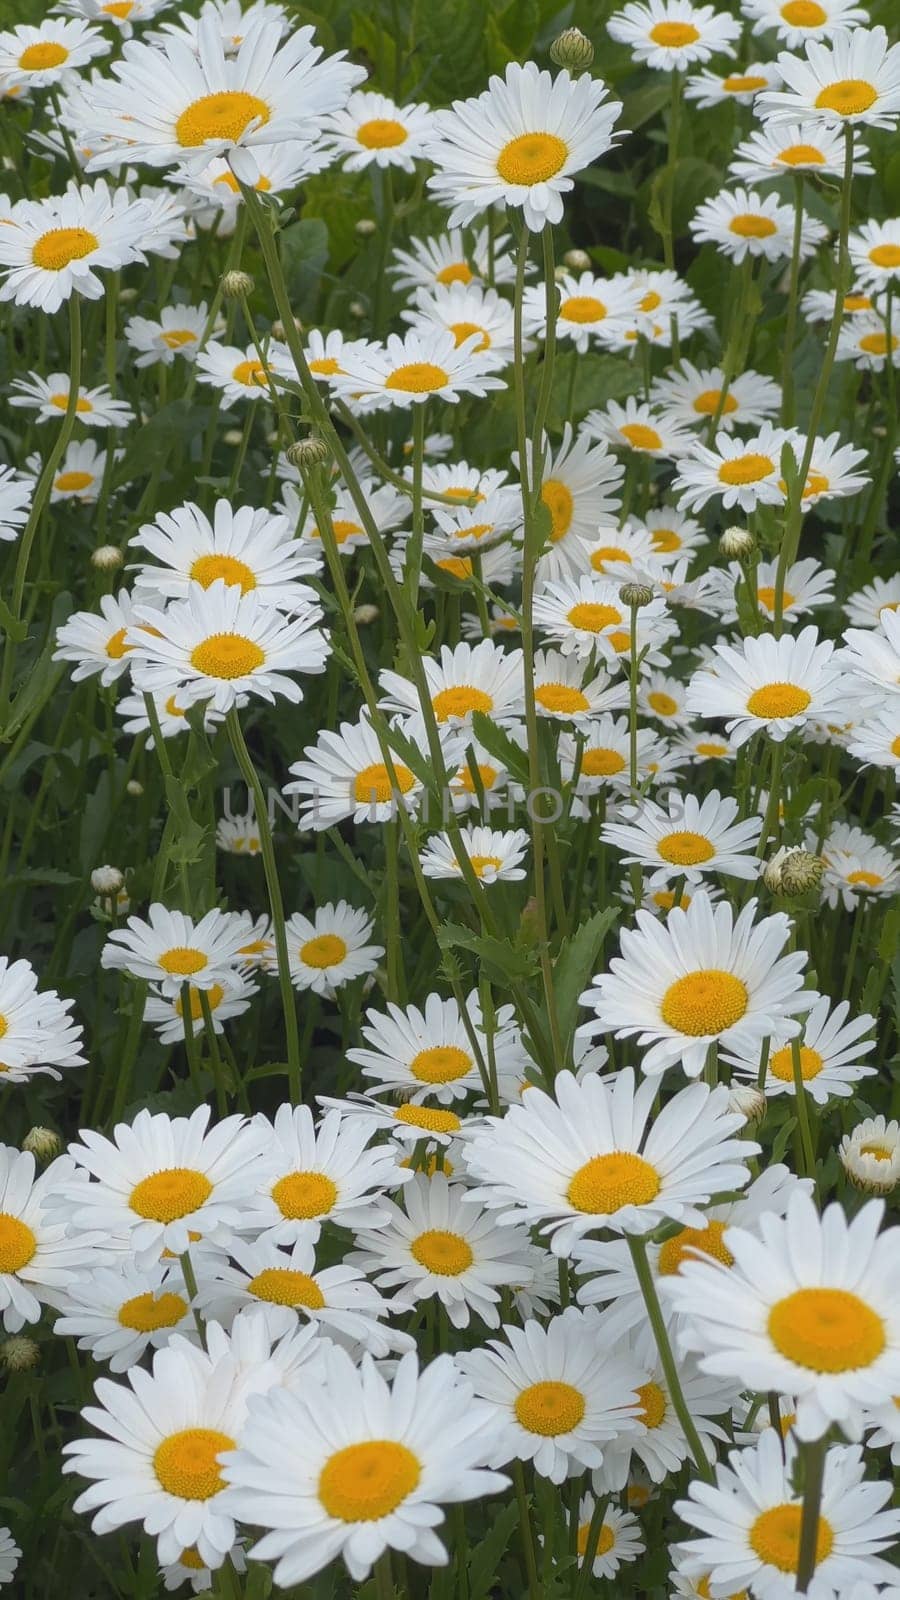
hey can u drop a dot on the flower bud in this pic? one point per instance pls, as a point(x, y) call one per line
point(43, 1143)
point(737, 543)
point(307, 453)
point(233, 436)
point(749, 1101)
point(19, 1354)
point(365, 227)
point(236, 285)
point(107, 557)
point(107, 880)
point(577, 260)
point(127, 294)
point(772, 870)
point(356, 308)
point(572, 49)
point(365, 614)
point(801, 872)
point(636, 594)
point(134, 787)
point(278, 328)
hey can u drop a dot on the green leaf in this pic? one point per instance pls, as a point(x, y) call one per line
point(303, 247)
point(783, 1139)
point(15, 630)
point(485, 1559)
point(595, 380)
point(498, 742)
point(449, 42)
point(501, 961)
point(154, 441)
point(642, 104)
point(575, 965)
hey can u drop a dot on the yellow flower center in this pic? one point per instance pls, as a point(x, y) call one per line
point(740, 83)
point(560, 503)
point(674, 35)
point(608, 552)
point(441, 1063)
point(281, 1286)
point(707, 403)
point(38, 57)
point(752, 226)
point(116, 647)
point(678, 1249)
point(704, 1002)
point(602, 763)
point(867, 880)
point(182, 962)
point(604, 1544)
point(781, 1064)
point(778, 700)
point(17, 1243)
point(550, 1408)
point(465, 781)
point(326, 366)
point(325, 950)
point(118, 8)
point(382, 133)
point(252, 374)
point(593, 618)
point(460, 701)
point(857, 302)
point(145, 1313)
point(885, 255)
point(225, 117)
point(374, 783)
point(186, 1464)
point(766, 598)
point(303, 1195)
point(826, 1330)
point(775, 1537)
point(365, 1482)
point(445, 1254)
point(458, 566)
point(607, 1183)
point(190, 1558)
point(876, 344)
point(641, 437)
point(663, 704)
point(170, 1194)
point(418, 377)
point(849, 97)
point(61, 401)
point(650, 301)
point(206, 569)
point(73, 482)
point(532, 158)
point(895, 746)
point(214, 997)
point(801, 155)
point(481, 864)
point(653, 1404)
point(685, 849)
point(804, 13)
point(464, 330)
point(177, 338)
point(455, 272)
point(880, 1152)
point(561, 697)
point(751, 468)
point(582, 308)
point(428, 1119)
point(708, 747)
point(703, 1591)
point(227, 655)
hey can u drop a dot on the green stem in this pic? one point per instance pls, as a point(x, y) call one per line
point(638, 1249)
point(384, 1578)
point(190, 1283)
point(787, 359)
point(534, 1585)
point(814, 1454)
point(215, 1055)
point(806, 1143)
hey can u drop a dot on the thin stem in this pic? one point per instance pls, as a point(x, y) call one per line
point(814, 1454)
point(384, 1578)
point(190, 1283)
point(638, 1249)
point(790, 329)
point(534, 1585)
point(806, 1144)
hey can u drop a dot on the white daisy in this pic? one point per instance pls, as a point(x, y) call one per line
point(855, 79)
point(49, 397)
point(424, 363)
point(864, 607)
point(866, 341)
point(281, 168)
point(9, 1557)
point(465, 309)
point(781, 149)
point(875, 253)
point(330, 949)
point(344, 775)
point(670, 35)
point(618, 1542)
point(688, 839)
point(580, 487)
point(603, 756)
point(870, 1155)
point(830, 1048)
point(238, 836)
point(239, 374)
point(178, 332)
point(171, 949)
point(97, 643)
point(38, 1257)
point(704, 977)
point(118, 1313)
point(830, 469)
point(566, 690)
point(872, 654)
point(226, 999)
point(38, 58)
point(691, 395)
point(453, 258)
point(429, 1053)
point(246, 548)
point(56, 246)
point(372, 129)
point(37, 1035)
point(466, 679)
point(586, 615)
point(876, 741)
point(798, 21)
point(588, 308)
point(711, 89)
point(519, 143)
point(494, 855)
point(806, 585)
point(232, 19)
point(744, 222)
point(15, 503)
point(817, 305)
point(387, 508)
point(638, 427)
point(775, 684)
point(80, 473)
point(589, 1159)
point(615, 548)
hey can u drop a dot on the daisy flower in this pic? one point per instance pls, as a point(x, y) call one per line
point(372, 129)
point(602, 757)
point(467, 678)
point(875, 253)
point(619, 1541)
point(9, 1556)
point(281, 168)
point(441, 1246)
point(589, 1158)
point(563, 692)
point(866, 341)
point(386, 507)
point(38, 58)
point(229, 998)
point(663, 698)
point(798, 21)
point(118, 1313)
point(161, 1181)
point(494, 855)
point(664, 298)
point(375, 1464)
point(556, 1394)
point(172, 716)
point(702, 747)
point(744, 222)
point(160, 1463)
point(588, 307)
point(865, 606)
point(674, 534)
point(36, 1031)
point(661, 1445)
point(670, 35)
point(56, 245)
point(288, 1287)
point(407, 371)
point(453, 258)
point(323, 352)
point(749, 1523)
point(581, 614)
point(15, 503)
point(97, 643)
point(321, 1173)
point(431, 1052)
point(163, 107)
point(638, 427)
point(870, 1155)
point(344, 775)
point(246, 548)
point(710, 89)
point(688, 839)
point(855, 79)
point(463, 310)
point(830, 469)
point(519, 143)
point(407, 1123)
point(775, 684)
point(782, 149)
point(240, 374)
point(232, 19)
point(691, 395)
point(876, 742)
point(80, 474)
point(817, 305)
point(123, 14)
point(49, 398)
point(704, 977)
point(831, 1050)
point(238, 836)
point(171, 949)
point(806, 585)
point(872, 654)
point(581, 487)
point(38, 1257)
point(178, 332)
point(853, 874)
point(220, 643)
point(821, 1322)
point(330, 949)
point(614, 548)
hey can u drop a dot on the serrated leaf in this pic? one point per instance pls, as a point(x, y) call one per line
point(498, 742)
point(574, 966)
point(303, 247)
point(501, 961)
point(782, 1139)
point(485, 1559)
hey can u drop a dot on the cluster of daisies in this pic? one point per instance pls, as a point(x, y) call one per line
point(574, 705)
